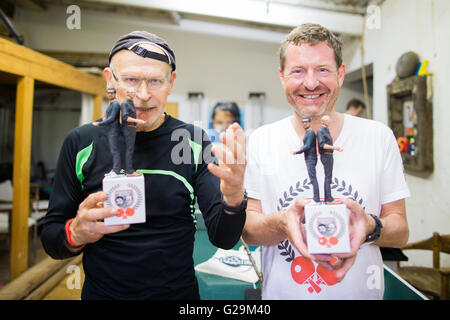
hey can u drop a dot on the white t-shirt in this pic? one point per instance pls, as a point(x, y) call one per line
point(369, 170)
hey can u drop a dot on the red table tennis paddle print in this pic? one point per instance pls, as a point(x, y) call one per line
point(325, 277)
point(128, 212)
point(303, 271)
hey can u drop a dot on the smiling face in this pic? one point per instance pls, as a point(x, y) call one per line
point(311, 79)
point(150, 104)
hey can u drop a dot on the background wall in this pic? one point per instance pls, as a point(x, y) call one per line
point(237, 66)
point(421, 26)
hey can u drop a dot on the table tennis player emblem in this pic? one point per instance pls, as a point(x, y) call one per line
point(124, 200)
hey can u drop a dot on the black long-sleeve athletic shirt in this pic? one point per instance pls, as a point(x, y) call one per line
point(152, 260)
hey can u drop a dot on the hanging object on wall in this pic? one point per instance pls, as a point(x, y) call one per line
point(422, 69)
point(407, 64)
point(254, 112)
point(410, 113)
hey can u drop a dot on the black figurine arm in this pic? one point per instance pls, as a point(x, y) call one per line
point(309, 142)
point(113, 114)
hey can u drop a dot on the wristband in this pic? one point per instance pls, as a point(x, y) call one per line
point(68, 237)
point(375, 235)
point(237, 209)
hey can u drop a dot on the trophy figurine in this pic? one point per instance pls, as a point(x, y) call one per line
point(126, 191)
point(327, 222)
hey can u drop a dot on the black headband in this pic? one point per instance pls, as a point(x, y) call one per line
point(149, 54)
point(132, 40)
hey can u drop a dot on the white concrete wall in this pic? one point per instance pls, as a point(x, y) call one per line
point(421, 26)
point(221, 67)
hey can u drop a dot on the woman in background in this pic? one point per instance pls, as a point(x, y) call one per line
point(223, 115)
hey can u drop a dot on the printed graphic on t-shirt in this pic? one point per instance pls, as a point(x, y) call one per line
point(304, 272)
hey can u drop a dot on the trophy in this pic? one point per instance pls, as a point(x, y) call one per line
point(327, 223)
point(126, 191)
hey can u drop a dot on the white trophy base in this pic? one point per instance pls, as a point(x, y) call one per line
point(327, 228)
point(127, 195)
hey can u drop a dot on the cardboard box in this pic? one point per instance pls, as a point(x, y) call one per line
point(127, 194)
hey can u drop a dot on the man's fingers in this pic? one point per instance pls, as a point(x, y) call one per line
point(353, 206)
point(223, 154)
point(342, 271)
point(300, 203)
point(302, 249)
point(100, 213)
point(92, 200)
point(327, 265)
point(234, 131)
point(221, 173)
point(322, 258)
point(234, 141)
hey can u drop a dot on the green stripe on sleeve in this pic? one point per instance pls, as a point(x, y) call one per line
point(196, 149)
point(82, 156)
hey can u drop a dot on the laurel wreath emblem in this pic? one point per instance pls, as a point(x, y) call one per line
point(346, 190)
point(293, 192)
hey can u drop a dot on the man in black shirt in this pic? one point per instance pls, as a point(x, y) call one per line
point(326, 148)
point(152, 260)
point(310, 151)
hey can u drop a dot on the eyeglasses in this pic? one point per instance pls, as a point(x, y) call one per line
point(301, 73)
point(135, 83)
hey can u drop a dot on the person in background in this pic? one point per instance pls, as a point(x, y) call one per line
point(355, 108)
point(224, 114)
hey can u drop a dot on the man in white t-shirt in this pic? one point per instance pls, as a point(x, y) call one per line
point(367, 176)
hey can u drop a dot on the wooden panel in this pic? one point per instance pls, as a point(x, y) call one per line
point(98, 99)
point(61, 290)
point(31, 283)
point(22, 61)
point(172, 109)
point(29, 66)
point(55, 288)
point(21, 177)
